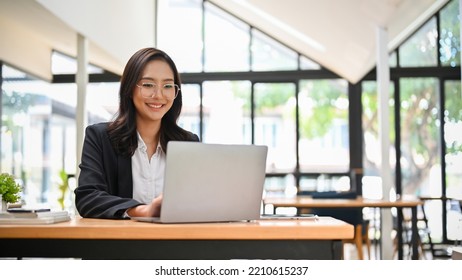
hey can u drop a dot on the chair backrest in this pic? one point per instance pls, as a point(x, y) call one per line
point(352, 216)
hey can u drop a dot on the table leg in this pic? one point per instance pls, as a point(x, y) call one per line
point(377, 242)
point(399, 233)
point(415, 235)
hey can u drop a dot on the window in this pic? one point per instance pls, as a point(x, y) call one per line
point(38, 134)
point(180, 32)
point(420, 121)
point(420, 49)
point(420, 160)
point(190, 112)
point(372, 184)
point(452, 138)
point(226, 42)
point(63, 64)
point(275, 124)
point(323, 126)
point(226, 110)
point(450, 35)
point(269, 55)
point(308, 64)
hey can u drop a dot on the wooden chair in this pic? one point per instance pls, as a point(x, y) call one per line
point(353, 216)
point(361, 237)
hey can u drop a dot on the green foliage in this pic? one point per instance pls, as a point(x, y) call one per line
point(419, 114)
point(274, 95)
point(454, 148)
point(241, 91)
point(317, 121)
point(314, 122)
point(369, 101)
point(9, 189)
point(16, 102)
point(267, 96)
point(63, 187)
point(449, 35)
point(453, 102)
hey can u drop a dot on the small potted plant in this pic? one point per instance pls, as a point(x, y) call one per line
point(9, 190)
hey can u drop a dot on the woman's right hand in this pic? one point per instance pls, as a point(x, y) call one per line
point(147, 210)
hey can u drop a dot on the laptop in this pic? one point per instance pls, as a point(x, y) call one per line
point(211, 183)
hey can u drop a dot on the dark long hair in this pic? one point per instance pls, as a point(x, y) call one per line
point(122, 131)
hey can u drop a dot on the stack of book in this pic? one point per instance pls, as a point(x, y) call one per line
point(33, 216)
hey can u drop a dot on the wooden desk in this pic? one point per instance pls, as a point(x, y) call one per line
point(125, 239)
point(305, 202)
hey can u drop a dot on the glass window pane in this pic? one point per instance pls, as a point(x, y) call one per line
point(420, 147)
point(268, 54)
point(38, 134)
point(275, 124)
point(393, 60)
point(323, 183)
point(372, 183)
point(226, 112)
point(63, 64)
point(454, 220)
point(324, 137)
point(450, 35)
point(283, 185)
point(308, 64)
point(190, 113)
point(183, 42)
point(453, 139)
point(226, 41)
point(102, 101)
point(420, 49)
point(433, 211)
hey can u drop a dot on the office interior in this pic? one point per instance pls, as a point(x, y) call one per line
point(335, 93)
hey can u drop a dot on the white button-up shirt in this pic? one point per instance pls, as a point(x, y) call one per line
point(147, 174)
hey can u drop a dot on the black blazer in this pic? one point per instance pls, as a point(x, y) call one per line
point(105, 188)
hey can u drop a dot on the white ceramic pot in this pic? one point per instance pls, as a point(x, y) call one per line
point(3, 205)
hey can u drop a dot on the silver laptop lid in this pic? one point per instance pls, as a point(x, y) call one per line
point(213, 182)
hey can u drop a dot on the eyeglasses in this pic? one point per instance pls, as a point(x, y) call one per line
point(148, 90)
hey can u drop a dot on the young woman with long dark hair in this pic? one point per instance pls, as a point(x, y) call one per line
point(123, 161)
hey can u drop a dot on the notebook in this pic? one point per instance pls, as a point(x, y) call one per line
point(211, 183)
point(20, 216)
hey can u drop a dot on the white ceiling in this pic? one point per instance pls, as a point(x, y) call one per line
point(31, 29)
point(338, 34)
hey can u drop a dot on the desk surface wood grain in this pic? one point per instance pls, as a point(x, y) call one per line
point(309, 202)
point(323, 228)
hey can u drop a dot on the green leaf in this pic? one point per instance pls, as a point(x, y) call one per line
point(9, 189)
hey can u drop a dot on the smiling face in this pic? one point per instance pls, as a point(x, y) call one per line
point(153, 108)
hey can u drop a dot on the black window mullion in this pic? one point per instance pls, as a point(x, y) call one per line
point(297, 135)
point(355, 131)
point(201, 111)
point(442, 98)
point(397, 114)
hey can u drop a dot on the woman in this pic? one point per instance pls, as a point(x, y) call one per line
point(123, 161)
